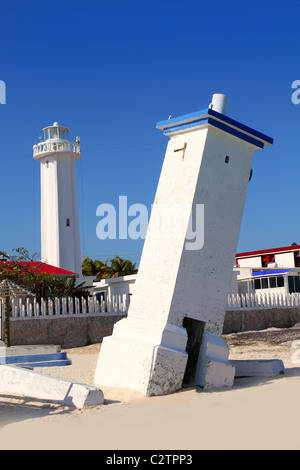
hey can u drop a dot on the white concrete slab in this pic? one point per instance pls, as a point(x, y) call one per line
point(258, 368)
point(26, 350)
point(14, 379)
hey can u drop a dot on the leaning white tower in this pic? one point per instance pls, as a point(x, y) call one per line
point(60, 239)
point(172, 334)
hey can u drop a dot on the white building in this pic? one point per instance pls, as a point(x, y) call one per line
point(274, 271)
point(60, 238)
point(117, 290)
point(120, 289)
point(283, 257)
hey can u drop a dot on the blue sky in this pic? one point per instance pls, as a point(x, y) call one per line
point(111, 70)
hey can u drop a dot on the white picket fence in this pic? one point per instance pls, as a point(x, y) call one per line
point(30, 308)
point(60, 307)
point(267, 300)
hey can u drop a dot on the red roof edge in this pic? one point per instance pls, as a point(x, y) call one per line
point(284, 249)
point(44, 268)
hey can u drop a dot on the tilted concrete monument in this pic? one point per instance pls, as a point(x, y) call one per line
point(172, 335)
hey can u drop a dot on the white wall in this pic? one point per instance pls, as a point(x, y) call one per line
point(285, 260)
point(88, 283)
point(116, 287)
point(254, 262)
point(244, 273)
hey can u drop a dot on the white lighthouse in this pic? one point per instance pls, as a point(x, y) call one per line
point(60, 239)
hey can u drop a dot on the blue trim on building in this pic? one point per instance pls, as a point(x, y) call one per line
point(184, 117)
point(197, 122)
point(236, 133)
point(232, 122)
point(271, 272)
point(218, 125)
point(218, 120)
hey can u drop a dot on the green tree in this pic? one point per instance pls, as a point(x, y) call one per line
point(65, 286)
point(92, 267)
point(118, 267)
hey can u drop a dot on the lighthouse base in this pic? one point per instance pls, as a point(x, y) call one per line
point(143, 358)
point(214, 370)
point(154, 362)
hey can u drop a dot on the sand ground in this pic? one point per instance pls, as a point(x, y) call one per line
point(257, 413)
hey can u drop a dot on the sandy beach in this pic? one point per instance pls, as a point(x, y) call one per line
point(257, 413)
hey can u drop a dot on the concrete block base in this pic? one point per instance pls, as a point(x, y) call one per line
point(147, 368)
point(214, 370)
point(258, 368)
point(14, 379)
point(150, 361)
point(153, 362)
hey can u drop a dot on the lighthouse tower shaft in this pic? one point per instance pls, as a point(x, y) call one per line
point(172, 334)
point(60, 237)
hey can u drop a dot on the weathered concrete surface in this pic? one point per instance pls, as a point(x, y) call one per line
point(260, 319)
point(161, 346)
point(68, 332)
point(73, 332)
point(14, 379)
point(214, 369)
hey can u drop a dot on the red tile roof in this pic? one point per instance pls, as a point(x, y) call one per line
point(40, 267)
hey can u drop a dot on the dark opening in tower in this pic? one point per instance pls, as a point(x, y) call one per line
point(195, 329)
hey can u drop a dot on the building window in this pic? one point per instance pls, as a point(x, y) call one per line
point(270, 283)
point(291, 284)
point(68, 222)
point(294, 284)
point(280, 281)
point(257, 284)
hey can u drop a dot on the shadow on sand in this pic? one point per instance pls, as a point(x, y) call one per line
point(15, 408)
